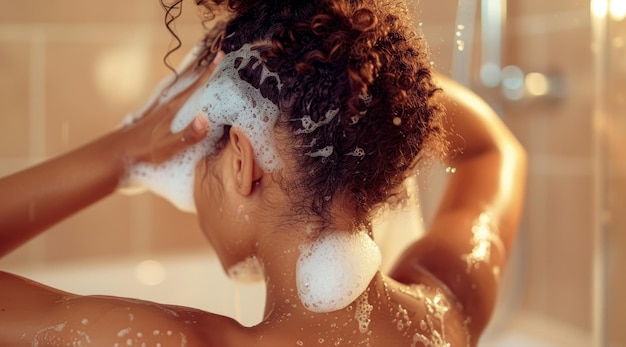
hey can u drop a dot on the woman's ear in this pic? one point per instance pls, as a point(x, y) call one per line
point(245, 168)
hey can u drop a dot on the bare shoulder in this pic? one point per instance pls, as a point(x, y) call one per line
point(436, 315)
point(32, 314)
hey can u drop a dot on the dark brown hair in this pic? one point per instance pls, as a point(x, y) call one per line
point(360, 78)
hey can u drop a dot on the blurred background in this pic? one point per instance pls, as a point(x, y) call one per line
point(71, 70)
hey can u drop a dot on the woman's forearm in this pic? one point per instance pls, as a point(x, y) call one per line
point(36, 198)
point(39, 197)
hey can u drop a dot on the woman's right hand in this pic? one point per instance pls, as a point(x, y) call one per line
point(148, 138)
point(37, 198)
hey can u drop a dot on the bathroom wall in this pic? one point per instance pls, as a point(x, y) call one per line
point(554, 38)
point(553, 285)
point(71, 70)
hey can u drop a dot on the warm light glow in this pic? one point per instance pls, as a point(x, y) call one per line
point(121, 73)
point(512, 77)
point(513, 82)
point(537, 84)
point(490, 75)
point(150, 272)
point(599, 8)
point(617, 9)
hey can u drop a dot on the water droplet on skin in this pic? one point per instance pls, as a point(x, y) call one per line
point(423, 325)
point(484, 236)
point(123, 332)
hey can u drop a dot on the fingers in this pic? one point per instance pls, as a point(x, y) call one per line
point(195, 131)
point(218, 58)
point(179, 99)
point(156, 124)
point(164, 144)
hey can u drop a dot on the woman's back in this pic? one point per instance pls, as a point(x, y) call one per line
point(388, 313)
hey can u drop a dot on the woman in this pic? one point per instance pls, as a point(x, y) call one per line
point(355, 109)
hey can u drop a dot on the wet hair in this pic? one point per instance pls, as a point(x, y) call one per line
point(356, 96)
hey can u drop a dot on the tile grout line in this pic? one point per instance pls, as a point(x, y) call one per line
point(37, 121)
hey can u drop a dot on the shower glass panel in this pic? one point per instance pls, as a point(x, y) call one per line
point(609, 30)
point(538, 73)
point(547, 48)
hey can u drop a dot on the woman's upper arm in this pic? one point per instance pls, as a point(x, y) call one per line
point(34, 314)
point(472, 232)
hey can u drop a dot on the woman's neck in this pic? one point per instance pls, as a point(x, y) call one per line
point(287, 321)
point(318, 272)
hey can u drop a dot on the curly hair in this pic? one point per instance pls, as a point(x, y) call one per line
point(356, 96)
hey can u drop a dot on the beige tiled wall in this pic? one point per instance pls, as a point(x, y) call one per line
point(71, 70)
point(554, 38)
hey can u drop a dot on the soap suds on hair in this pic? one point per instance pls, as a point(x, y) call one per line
point(308, 125)
point(324, 152)
point(225, 100)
